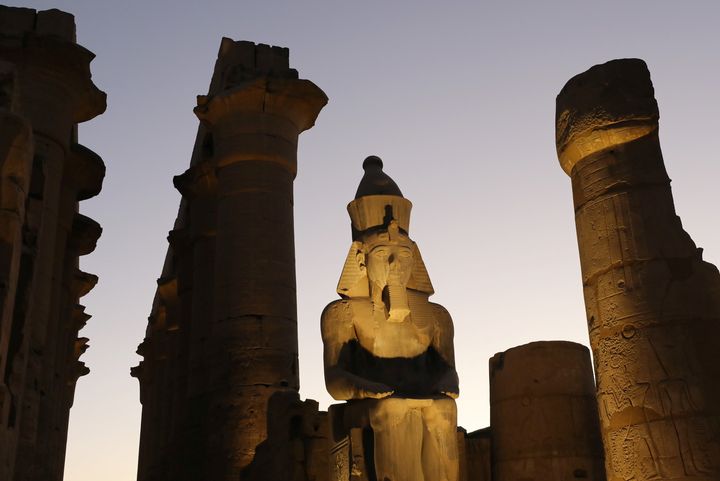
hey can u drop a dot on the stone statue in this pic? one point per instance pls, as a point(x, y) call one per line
point(387, 350)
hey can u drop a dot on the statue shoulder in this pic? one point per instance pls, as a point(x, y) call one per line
point(336, 315)
point(440, 311)
point(442, 316)
point(337, 309)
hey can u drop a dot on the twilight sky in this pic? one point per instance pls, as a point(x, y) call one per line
point(457, 97)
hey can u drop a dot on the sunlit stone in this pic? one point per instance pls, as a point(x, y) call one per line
point(653, 304)
point(388, 350)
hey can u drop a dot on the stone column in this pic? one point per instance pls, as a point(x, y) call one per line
point(197, 280)
point(544, 415)
point(653, 304)
point(83, 173)
point(16, 151)
point(54, 93)
point(163, 372)
point(254, 121)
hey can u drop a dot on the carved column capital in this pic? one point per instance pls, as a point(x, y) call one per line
point(56, 89)
point(261, 119)
point(85, 171)
point(608, 105)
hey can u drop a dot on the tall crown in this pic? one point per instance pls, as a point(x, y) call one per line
point(378, 201)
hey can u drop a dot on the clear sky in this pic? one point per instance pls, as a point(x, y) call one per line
point(458, 98)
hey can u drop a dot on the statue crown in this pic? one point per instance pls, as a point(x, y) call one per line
point(378, 205)
point(378, 201)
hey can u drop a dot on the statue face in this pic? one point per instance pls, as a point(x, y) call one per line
point(389, 262)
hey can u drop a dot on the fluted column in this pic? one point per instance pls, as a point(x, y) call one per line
point(653, 304)
point(254, 121)
point(544, 415)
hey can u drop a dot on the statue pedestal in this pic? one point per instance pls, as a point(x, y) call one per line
point(351, 442)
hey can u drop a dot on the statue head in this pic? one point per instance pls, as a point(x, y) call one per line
point(383, 262)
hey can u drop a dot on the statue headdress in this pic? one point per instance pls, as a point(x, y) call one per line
point(378, 202)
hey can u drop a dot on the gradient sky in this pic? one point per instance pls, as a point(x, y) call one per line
point(458, 98)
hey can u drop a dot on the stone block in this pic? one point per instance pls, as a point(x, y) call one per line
point(56, 23)
point(16, 22)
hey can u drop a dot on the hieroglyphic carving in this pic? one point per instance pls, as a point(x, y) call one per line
point(340, 460)
point(653, 304)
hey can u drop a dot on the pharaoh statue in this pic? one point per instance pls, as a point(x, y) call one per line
point(388, 351)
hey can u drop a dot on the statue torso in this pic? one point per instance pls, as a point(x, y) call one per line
point(387, 339)
point(398, 354)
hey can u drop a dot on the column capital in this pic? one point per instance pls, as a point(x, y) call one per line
point(86, 170)
point(179, 240)
point(79, 317)
point(56, 89)
point(82, 283)
point(606, 106)
point(297, 101)
point(197, 181)
point(261, 119)
point(84, 235)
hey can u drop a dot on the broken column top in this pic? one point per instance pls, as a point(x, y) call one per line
point(43, 44)
point(252, 80)
point(21, 22)
point(241, 61)
point(607, 105)
point(557, 366)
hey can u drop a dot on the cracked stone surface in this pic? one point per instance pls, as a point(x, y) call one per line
point(653, 304)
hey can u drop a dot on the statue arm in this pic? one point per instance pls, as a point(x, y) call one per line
point(337, 332)
point(442, 342)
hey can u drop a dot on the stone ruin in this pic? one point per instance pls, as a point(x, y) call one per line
point(45, 91)
point(652, 303)
point(220, 353)
point(219, 376)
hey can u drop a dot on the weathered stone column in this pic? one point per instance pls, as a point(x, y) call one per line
point(54, 92)
point(16, 151)
point(254, 121)
point(196, 274)
point(543, 414)
point(653, 304)
point(83, 173)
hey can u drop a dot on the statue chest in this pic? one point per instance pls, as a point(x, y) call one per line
point(384, 338)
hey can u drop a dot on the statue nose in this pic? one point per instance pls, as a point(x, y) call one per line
point(391, 259)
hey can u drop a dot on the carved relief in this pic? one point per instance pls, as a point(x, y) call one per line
point(652, 303)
